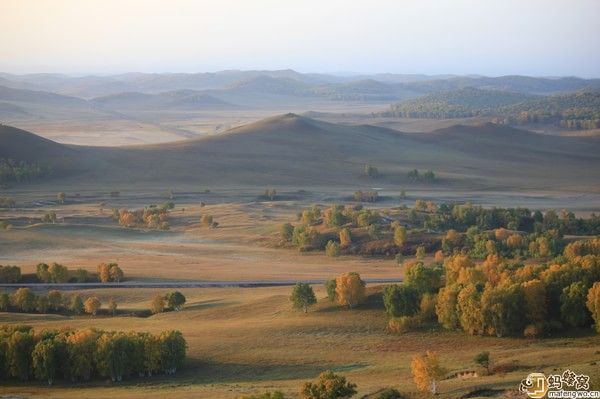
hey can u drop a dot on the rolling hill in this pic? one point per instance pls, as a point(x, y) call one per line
point(172, 100)
point(294, 151)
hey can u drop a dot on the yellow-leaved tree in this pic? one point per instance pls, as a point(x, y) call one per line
point(350, 289)
point(426, 371)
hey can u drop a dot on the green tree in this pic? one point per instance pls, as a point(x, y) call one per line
point(81, 275)
point(401, 300)
point(55, 300)
point(76, 304)
point(111, 355)
point(303, 296)
point(287, 231)
point(58, 273)
point(330, 288)
point(46, 359)
point(42, 273)
point(424, 278)
point(24, 299)
point(172, 352)
point(503, 309)
point(20, 346)
point(328, 386)
point(267, 395)
point(483, 359)
point(4, 302)
point(175, 300)
point(572, 305)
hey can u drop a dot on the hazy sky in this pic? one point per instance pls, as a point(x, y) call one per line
point(492, 37)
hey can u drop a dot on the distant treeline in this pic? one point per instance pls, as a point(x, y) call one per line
point(79, 355)
point(13, 171)
point(579, 110)
point(57, 273)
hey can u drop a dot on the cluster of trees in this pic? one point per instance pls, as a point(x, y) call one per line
point(10, 274)
point(80, 355)
point(463, 216)
point(58, 273)
point(152, 217)
point(497, 297)
point(424, 177)
point(347, 289)
point(365, 196)
point(370, 171)
point(13, 171)
point(580, 110)
point(170, 301)
point(26, 301)
point(331, 228)
point(328, 385)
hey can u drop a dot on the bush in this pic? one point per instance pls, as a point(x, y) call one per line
point(390, 393)
point(400, 325)
point(332, 249)
point(328, 386)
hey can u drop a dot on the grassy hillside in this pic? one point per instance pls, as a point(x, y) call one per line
point(296, 151)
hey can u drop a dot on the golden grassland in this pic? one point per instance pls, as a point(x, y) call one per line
point(243, 341)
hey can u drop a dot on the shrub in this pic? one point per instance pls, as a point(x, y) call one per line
point(328, 386)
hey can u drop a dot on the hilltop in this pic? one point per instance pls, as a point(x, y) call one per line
point(292, 150)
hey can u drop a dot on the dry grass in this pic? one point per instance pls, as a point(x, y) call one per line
point(250, 340)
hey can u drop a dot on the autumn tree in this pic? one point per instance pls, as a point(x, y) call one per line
point(426, 371)
point(207, 220)
point(534, 292)
point(175, 300)
point(328, 386)
point(469, 311)
point(111, 355)
point(446, 306)
point(350, 289)
point(593, 304)
point(400, 236)
point(81, 348)
point(303, 296)
point(24, 299)
point(158, 304)
point(332, 249)
point(345, 237)
point(370, 171)
point(92, 305)
point(502, 309)
point(115, 272)
point(42, 273)
point(61, 197)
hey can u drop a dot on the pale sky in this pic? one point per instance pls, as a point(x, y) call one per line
point(490, 37)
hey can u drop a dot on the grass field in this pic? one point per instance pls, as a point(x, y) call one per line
point(244, 341)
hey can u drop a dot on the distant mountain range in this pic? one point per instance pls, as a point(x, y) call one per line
point(49, 95)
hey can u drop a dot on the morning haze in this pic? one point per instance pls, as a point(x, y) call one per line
point(299, 200)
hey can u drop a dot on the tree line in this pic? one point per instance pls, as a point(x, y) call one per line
point(26, 301)
point(13, 171)
point(58, 273)
point(80, 355)
point(499, 297)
